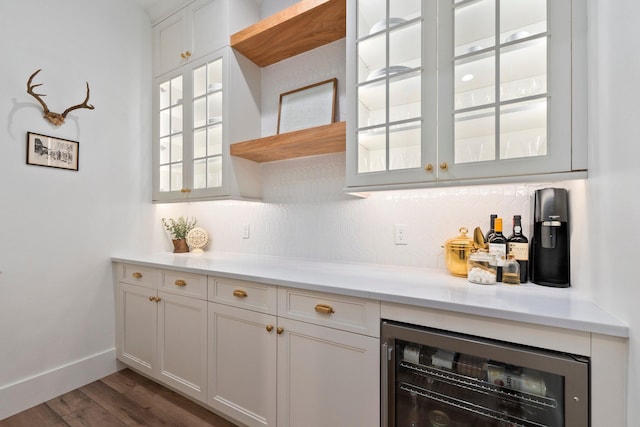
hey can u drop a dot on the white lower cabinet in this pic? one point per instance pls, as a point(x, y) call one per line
point(327, 377)
point(182, 344)
point(242, 364)
point(259, 354)
point(163, 335)
point(267, 369)
point(137, 336)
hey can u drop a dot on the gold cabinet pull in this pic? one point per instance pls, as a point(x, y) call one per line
point(155, 299)
point(152, 298)
point(324, 309)
point(185, 190)
point(444, 166)
point(137, 275)
point(269, 328)
point(428, 167)
point(185, 55)
point(279, 330)
point(239, 293)
point(158, 299)
point(180, 282)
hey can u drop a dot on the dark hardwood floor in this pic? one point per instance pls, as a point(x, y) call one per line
point(121, 399)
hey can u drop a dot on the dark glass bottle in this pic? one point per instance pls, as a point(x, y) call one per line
point(518, 245)
point(492, 227)
point(498, 248)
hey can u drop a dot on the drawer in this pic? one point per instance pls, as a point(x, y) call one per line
point(336, 311)
point(239, 293)
point(187, 284)
point(142, 276)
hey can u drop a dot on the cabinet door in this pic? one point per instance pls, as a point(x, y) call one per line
point(505, 109)
point(208, 28)
point(188, 138)
point(136, 327)
point(182, 344)
point(242, 364)
point(327, 377)
point(189, 34)
point(387, 137)
point(170, 44)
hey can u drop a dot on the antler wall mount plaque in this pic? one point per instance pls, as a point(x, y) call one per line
point(55, 118)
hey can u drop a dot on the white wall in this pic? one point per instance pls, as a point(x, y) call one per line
point(59, 227)
point(613, 198)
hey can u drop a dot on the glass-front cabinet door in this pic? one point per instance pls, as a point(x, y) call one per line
point(189, 143)
point(506, 106)
point(459, 89)
point(388, 132)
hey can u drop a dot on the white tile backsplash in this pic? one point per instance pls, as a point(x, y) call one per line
point(305, 213)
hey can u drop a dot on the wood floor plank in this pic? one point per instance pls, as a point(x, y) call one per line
point(92, 415)
point(189, 406)
point(69, 402)
point(124, 398)
point(170, 408)
point(40, 415)
point(123, 380)
point(122, 407)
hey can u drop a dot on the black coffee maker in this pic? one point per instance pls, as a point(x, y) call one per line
point(550, 242)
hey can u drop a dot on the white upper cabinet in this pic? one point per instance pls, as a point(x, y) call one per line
point(202, 101)
point(200, 28)
point(464, 90)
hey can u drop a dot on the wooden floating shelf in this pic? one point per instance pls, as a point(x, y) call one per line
point(301, 143)
point(299, 28)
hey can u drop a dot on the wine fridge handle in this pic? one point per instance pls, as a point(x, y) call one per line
point(385, 353)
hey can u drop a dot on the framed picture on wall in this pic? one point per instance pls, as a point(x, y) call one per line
point(307, 107)
point(43, 150)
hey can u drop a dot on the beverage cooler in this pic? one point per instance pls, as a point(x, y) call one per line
point(433, 378)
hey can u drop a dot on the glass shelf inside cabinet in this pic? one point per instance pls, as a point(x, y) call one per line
point(373, 18)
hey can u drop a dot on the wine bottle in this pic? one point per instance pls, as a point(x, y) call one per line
point(498, 248)
point(518, 245)
point(492, 228)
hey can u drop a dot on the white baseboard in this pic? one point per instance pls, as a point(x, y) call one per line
point(32, 391)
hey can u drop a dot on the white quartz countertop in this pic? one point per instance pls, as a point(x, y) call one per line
point(530, 303)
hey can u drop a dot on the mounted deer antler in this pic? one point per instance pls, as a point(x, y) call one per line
point(55, 118)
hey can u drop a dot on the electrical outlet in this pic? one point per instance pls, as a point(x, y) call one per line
point(246, 231)
point(401, 236)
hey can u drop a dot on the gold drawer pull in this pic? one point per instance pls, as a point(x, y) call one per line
point(280, 330)
point(152, 298)
point(239, 293)
point(180, 282)
point(269, 328)
point(137, 275)
point(155, 299)
point(324, 309)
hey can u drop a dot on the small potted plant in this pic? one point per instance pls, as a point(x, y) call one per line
point(178, 228)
